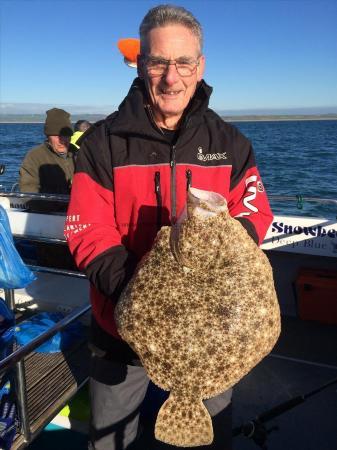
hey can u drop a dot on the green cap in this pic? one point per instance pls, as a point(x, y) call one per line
point(58, 123)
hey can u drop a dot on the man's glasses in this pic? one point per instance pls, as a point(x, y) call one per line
point(158, 66)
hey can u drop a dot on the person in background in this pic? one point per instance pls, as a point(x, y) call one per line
point(49, 167)
point(132, 176)
point(79, 128)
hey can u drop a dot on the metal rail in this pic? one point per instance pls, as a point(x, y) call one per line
point(296, 198)
point(27, 195)
point(23, 351)
point(16, 358)
point(65, 198)
point(22, 403)
point(69, 273)
point(39, 239)
point(9, 298)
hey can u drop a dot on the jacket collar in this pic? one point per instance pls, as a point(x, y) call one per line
point(133, 113)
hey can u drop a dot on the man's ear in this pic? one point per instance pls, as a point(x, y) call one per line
point(201, 68)
point(140, 69)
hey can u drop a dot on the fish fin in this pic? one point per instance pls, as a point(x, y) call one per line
point(184, 422)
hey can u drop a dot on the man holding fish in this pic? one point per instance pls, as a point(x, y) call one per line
point(132, 178)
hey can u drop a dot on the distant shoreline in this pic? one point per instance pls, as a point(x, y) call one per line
point(279, 117)
point(276, 118)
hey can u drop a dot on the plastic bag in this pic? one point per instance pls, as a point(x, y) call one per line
point(29, 329)
point(6, 315)
point(6, 329)
point(14, 273)
point(8, 425)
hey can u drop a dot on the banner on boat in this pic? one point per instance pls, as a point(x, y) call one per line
point(309, 235)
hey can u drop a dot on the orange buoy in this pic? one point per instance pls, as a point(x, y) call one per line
point(130, 48)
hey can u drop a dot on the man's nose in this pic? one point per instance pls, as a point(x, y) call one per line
point(171, 75)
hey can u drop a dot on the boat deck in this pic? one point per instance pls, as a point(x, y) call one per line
point(304, 359)
point(51, 379)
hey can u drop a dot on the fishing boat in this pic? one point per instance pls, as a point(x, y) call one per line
point(294, 387)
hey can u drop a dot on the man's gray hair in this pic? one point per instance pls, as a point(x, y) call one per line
point(163, 15)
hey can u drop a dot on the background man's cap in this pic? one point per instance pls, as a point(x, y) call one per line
point(58, 123)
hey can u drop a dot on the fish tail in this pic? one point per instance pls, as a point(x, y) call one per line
point(184, 422)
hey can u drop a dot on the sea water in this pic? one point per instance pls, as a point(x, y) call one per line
point(295, 158)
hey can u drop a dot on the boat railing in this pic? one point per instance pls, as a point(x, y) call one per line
point(14, 187)
point(59, 326)
point(46, 240)
point(298, 198)
point(17, 360)
point(36, 196)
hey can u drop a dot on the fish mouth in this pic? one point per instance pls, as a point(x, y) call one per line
point(204, 204)
point(201, 204)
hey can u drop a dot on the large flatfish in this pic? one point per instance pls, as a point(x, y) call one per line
point(200, 311)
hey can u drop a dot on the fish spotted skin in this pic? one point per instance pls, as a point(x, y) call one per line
point(199, 319)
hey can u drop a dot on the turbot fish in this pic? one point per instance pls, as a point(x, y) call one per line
point(200, 311)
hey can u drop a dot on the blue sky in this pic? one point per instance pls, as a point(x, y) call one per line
point(259, 54)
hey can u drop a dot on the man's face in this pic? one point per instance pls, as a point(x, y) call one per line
point(59, 144)
point(170, 92)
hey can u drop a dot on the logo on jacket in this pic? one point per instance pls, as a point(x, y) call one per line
point(210, 156)
point(260, 186)
point(250, 196)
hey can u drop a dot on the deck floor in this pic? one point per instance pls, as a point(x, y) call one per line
point(304, 358)
point(51, 379)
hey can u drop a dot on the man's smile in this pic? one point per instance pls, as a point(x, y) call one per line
point(170, 92)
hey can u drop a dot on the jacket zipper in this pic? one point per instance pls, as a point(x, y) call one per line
point(173, 169)
point(173, 185)
point(188, 179)
point(159, 198)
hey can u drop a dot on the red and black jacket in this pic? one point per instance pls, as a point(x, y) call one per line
point(130, 180)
